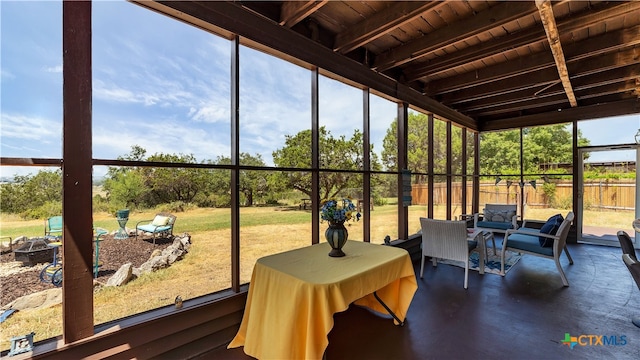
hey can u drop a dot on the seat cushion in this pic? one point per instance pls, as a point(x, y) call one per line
point(529, 243)
point(150, 228)
point(550, 227)
point(495, 225)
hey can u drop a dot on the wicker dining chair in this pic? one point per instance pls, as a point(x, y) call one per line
point(446, 239)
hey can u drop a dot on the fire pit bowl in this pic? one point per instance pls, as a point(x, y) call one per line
point(34, 251)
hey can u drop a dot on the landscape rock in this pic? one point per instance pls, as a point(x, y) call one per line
point(156, 252)
point(19, 240)
point(155, 264)
point(17, 280)
point(157, 261)
point(122, 276)
point(39, 300)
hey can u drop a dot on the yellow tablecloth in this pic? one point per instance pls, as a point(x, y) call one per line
point(293, 296)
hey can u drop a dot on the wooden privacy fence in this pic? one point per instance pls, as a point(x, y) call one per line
point(609, 194)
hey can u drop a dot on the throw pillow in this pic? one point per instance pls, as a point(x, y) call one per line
point(498, 215)
point(487, 215)
point(509, 215)
point(160, 220)
point(550, 227)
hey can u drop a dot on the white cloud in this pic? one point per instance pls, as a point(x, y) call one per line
point(24, 127)
point(54, 69)
point(6, 74)
point(114, 137)
point(210, 113)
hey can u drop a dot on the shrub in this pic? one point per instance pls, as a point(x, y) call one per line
point(563, 203)
point(549, 190)
point(44, 211)
point(379, 200)
point(100, 204)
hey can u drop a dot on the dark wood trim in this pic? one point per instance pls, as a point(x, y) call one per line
point(402, 131)
point(430, 164)
point(315, 155)
point(475, 198)
point(9, 161)
point(235, 162)
point(449, 170)
point(143, 337)
point(521, 154)
point(463, 170)
point(572, 237)
point(77, 283)
point(366, 181)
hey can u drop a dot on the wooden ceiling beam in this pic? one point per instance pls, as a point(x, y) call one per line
point(598, 45)
point(553, 100)
point(583, 83)
point(544, 77)
point(292, 12)
point(617, 108)
point(496, 16)
point(381, 23)
point(513, 41)
point(553, 36)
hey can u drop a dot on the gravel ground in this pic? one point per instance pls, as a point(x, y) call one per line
point(17, 280)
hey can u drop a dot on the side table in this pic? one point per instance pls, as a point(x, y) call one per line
point(482, 236)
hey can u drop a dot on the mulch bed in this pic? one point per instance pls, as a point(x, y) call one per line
point(113, 254)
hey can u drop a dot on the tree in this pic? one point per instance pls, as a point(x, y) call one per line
point(335, 153)
point(548, 145)
point(253, 183)
point(418, 146)
point(36, 196)
point(150, 186)
point(125, 186)
point(169, 184)
point(500, 152)
point(552, 144)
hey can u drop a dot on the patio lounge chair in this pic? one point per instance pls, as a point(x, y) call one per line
point(547, 242)
point(53, 227)
point(160, 226)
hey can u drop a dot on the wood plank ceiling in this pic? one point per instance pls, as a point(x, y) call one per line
point(485, 64)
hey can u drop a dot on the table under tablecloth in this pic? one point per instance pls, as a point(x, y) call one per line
point(293, 296)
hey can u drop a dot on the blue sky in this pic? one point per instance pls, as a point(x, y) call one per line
point(164, 85)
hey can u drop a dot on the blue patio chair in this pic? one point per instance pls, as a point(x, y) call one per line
point(159, 226)
point(53, 227)
point(549, 242)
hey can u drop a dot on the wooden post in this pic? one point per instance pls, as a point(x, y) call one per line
point(77, 236)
